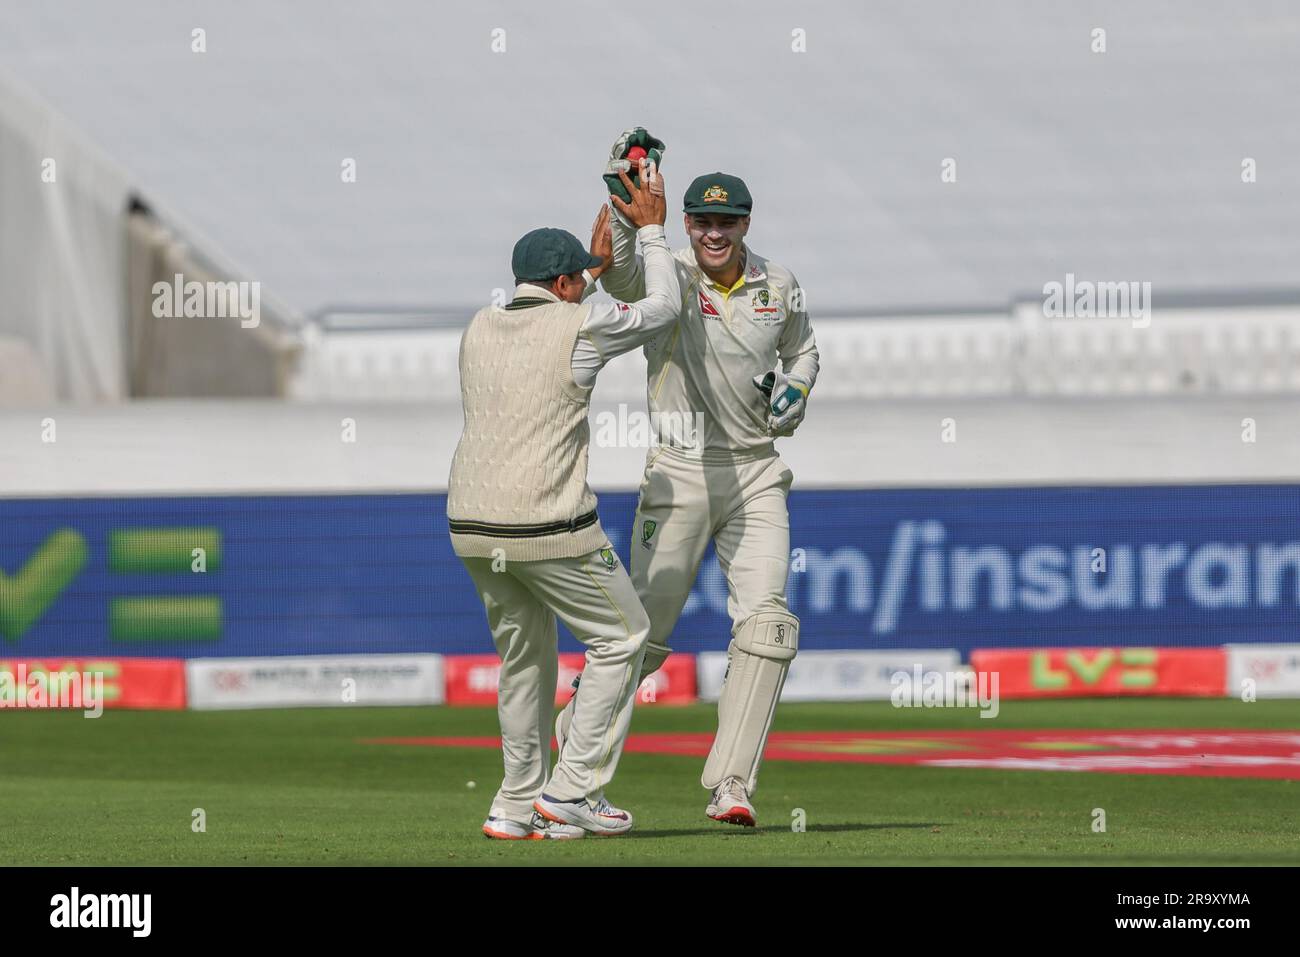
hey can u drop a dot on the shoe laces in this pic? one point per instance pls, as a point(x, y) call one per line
point(731, 786)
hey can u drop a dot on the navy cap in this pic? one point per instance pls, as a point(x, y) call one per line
point(546, 253)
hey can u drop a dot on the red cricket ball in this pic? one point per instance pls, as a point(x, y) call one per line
point(635, 155)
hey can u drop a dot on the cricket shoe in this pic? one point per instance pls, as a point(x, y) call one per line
point(730, 804)
point(540, 829)
point(595, 817)
point(504, 829)
point(544, 830)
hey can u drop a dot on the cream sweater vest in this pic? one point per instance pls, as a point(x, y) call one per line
point(519, 476)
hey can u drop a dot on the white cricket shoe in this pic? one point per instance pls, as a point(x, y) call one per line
point(598, 817)
point(504, 829)
point(544, 830)
point(730, 804)
point(539, 829)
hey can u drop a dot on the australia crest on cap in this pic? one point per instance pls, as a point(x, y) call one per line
point(715, 194)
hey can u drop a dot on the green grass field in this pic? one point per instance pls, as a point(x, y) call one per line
point(298, 787)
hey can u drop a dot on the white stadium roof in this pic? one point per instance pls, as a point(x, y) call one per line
point(1118, 166)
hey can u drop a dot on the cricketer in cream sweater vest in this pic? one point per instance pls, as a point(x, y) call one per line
point(518, 486)
point(523, 520)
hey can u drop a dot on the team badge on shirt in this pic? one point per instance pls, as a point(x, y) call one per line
point(764, 306)
point(648, 531)
point(609, 558)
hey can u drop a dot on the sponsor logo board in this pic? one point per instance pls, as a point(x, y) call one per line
point(834, 675)
point(1273, 671)
point(314, 682)
point(153, 683)
point(1077, 672)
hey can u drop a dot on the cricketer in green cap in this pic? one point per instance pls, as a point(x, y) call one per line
point(555, 259)
point(717, 207)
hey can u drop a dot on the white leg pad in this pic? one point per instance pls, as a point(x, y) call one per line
point(757, 661)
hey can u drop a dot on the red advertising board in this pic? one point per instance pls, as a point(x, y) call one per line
point(157, 683)
point(673, 683)
point(472, 679)
point(1077, 672)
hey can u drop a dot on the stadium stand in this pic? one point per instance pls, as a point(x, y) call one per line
point(920, 287)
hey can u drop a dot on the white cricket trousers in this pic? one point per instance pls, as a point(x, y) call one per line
point(594, 597)
point(735, 499)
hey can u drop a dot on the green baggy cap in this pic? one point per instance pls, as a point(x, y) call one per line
point(718, 193)
point(546, 253)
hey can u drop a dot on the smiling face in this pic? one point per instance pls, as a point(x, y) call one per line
point(718, 242)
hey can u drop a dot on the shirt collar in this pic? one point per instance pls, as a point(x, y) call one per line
point(527, 290)
point(753, 270)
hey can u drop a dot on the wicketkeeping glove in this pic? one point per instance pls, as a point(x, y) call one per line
point(636, 136)
point(787, 401)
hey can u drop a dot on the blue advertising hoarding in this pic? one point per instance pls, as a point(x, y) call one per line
point(936, 568)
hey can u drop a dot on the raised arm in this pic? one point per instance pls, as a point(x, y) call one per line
point(625, 278)
point(615, 328)
point(631, 153)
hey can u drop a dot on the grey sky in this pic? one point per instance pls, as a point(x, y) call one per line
point(1123, 165)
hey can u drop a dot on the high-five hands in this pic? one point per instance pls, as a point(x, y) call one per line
point(648, 206)
point(625, 155)
point(602, 241)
